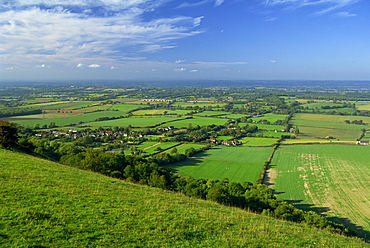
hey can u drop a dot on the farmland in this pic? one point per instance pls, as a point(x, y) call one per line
point(200, 137)
point(332, 179)
point(237, 164)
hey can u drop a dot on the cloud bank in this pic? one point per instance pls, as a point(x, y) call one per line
point(72, 31)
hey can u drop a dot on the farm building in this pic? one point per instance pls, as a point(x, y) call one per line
point(363, 142)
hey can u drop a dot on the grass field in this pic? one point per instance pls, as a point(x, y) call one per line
point(45, 204)
point(334, 179)
point(236, 163)
point(127, 107)
point(317, 125)
point(254, 141)
point(66, 120)
point(135, 122)
point(212, 113)
point(183, 147)
point(201, 121)
point(270, 117)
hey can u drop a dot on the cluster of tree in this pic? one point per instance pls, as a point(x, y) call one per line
point(356, 122)
point(7, 112)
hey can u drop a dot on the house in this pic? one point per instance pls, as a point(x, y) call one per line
point(363, 142)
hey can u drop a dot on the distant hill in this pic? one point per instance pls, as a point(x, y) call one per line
point(45, 204)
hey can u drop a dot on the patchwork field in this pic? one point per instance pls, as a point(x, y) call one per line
point(332, 179)
point(236, 163)
point(270, 117)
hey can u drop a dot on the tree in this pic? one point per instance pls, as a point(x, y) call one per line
point(8, 134)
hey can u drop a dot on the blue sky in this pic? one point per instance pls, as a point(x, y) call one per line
point(201, 39)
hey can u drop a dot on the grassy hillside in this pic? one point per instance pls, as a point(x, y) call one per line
point(44, 204)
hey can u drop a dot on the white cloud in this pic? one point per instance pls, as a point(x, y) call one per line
point(218, 2)
point(197, 21)
point(179, 61)
point(345, 14)
point(272, 61)
point(59, 32)
point(180, 69)
point(325, 5)
point(194, 71)
point(80, 65)
point(9, 68)
point(94, 66)
point(42, 66)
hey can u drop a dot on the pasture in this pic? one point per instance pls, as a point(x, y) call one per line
point(201, 121)
point(254, 141)
point(317, 125)
point(64, 120)
point(270, 117)
point(236, 163)
point(135, 122)
point(212, 113)
point(332, 179)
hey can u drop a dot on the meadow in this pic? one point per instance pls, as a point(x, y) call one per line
point(236, 163)
point(51, 205)
point(201, 121)
point(331, 179)
point(64, 120)
point(270, 117)
point(319, 125)
point(254, 141)
point(135, 122)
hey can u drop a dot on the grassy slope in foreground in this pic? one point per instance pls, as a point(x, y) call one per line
point(51, 205)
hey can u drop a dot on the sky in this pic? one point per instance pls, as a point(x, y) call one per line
point(176, 39)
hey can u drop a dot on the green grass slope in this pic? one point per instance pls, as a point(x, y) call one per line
point(44, 204)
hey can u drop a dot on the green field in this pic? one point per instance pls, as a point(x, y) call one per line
point(236, 163)
point(45, 204)
point(183, 147)
point(334, 179)
point(63, 120)
point(270, 117)
point(317, 125)
point(127, 107)
point(201, 121)
point(135, 122)
point(254, 141)
point(212, 113)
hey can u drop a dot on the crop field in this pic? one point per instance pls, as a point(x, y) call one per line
point(332, 179)
point(236, 163)
point(270, 117)
point(183, 147)
point(273, 134)
point(135, 122)
point(199, 104)
point(264, 126)
point(316, 125)
point(126, 107)
point(201, 121)
point(235, 116)
point(67, 120)
point(160, 112)
point(212, 113)
point(164, 146)
point(254, 141)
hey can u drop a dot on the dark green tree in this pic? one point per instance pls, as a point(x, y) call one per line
point(8, 134)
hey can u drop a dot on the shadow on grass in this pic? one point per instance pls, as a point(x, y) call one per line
point(359, 230)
